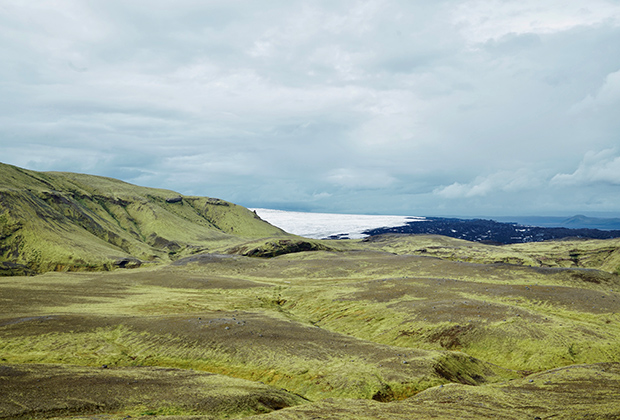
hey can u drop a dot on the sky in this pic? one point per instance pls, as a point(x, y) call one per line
point(401, 107)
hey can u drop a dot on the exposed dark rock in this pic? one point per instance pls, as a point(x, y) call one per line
point(162, 243)
point(101, 199)
point(280, 247)
point(8, 268)
point(492, 232)
point(174, 199)
point(386, 394)
point(128, 263)
point(217, 202)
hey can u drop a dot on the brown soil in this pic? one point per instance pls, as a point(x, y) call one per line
point(41, 391)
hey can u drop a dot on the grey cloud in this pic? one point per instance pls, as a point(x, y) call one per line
point(596, 167)
point(608, 95)
point(369, 106)
point(504, 181)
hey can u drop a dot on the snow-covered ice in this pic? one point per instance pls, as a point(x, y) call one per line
point(324, 225)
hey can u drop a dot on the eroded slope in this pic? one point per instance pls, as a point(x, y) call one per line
point(65, 221)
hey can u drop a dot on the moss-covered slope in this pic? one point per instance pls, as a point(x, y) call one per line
point(567, 253)
point(576, 392)
point(65, 221)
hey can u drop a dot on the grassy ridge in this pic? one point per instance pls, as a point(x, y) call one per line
point(65, 221)
point(522, 318)
point(586, 391)
point(595, 254)
point(187, 319)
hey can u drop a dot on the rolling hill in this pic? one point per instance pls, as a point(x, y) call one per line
point(57, 221)
point(226, 316)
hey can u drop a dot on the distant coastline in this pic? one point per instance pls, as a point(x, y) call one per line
point(506, 230)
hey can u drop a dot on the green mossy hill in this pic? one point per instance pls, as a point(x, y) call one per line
point(268, 248)
point(575, 392)
point(359, 334)
point(568, 253)
point(598, 254)
point(64, 221)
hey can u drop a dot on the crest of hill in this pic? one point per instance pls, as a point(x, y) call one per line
point(566, 253)
point(67, 221)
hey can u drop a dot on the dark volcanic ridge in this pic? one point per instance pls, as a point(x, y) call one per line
point(493, 232)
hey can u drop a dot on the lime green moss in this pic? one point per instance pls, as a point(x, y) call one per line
point(73, 222)
point(388, 318)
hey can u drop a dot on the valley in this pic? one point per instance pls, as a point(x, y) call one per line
point(117, 302)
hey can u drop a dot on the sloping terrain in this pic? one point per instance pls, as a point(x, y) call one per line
point(340, 329)
point(233, 317)
point(65, 221)
point(568, 253)
point(64, 390)
point(576, 392)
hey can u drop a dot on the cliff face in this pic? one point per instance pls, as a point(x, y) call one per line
point(64, 221)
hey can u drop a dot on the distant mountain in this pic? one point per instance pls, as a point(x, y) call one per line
point(574, 222)
point(66, 221)
point(581, 221)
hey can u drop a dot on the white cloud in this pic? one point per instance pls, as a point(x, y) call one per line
point(360, 178)
point(608, 95)
point(481, 20)
point(482, 186)
point(595, 168)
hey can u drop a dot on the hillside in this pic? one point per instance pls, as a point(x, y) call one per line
point(593, 254)
point(225, 316)
point(65, 221)
point(351, 334)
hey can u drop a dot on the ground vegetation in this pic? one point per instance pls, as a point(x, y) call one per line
point(226, 316)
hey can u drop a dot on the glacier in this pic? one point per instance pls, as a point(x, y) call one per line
point(330, 225)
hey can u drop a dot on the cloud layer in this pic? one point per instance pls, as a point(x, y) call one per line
point(460, 107)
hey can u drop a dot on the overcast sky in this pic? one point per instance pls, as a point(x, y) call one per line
point(412, 107)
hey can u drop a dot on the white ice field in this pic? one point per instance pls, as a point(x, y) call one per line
point(324, 225)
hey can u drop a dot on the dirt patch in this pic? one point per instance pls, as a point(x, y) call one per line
point(179, 279)
point(450, 337)
point(205, 259)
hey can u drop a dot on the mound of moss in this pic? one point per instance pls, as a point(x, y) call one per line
point(269, 248)
point(576, 392)
point(72, 222)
